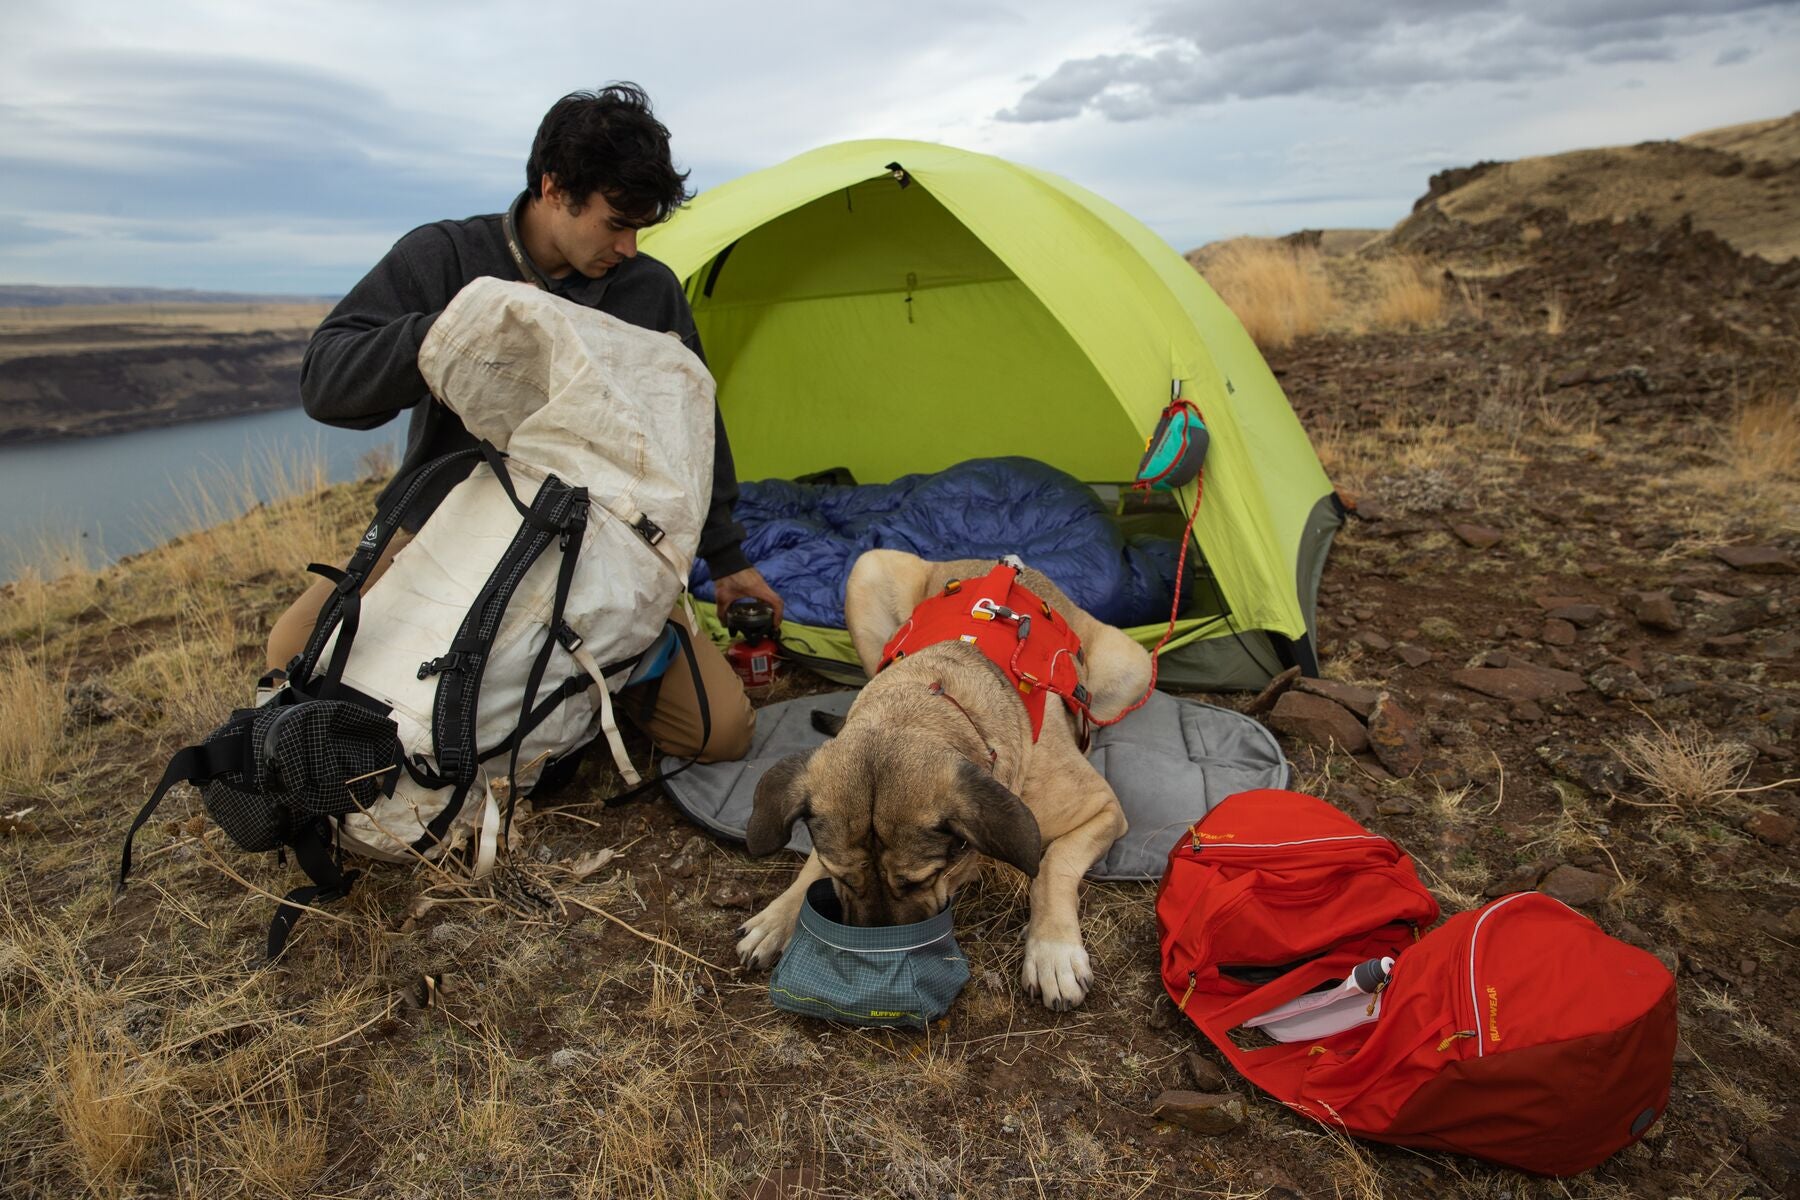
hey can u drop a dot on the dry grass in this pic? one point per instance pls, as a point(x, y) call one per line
point(1408, 293)
point(1279, 292)
point(292, 528)
point(274, 1146)
point(107, 1101)
point(1687, 768)
point(32, 744)
point(1556, 314)
point(1752, 484)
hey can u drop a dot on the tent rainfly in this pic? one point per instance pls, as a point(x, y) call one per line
point(898, 306)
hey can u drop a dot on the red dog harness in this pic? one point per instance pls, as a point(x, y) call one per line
point(1020, 633)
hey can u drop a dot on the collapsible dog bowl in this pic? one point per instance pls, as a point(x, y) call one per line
point(883, 975)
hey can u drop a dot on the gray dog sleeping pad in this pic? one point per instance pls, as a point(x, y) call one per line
point(1169, 762)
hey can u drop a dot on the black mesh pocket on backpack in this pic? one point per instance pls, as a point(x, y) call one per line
point(312, 759)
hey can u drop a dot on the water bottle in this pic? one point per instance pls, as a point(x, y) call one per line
point(1356, 1000)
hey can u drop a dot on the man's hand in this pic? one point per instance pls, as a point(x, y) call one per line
point(741, 585)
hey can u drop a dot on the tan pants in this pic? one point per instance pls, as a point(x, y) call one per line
point(668, 710)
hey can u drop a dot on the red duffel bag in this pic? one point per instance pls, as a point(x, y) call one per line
point(1518, 1032)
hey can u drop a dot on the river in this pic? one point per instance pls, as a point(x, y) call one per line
point(102, 497)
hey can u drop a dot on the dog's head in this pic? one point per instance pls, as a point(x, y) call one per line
point(895, 820)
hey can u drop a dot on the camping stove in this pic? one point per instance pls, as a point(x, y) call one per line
point(754, 653)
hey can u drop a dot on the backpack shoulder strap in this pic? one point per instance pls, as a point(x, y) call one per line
point(345, 602)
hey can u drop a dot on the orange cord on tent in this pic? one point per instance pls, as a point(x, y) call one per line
point(1187, 538)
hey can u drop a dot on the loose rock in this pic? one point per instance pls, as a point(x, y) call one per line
point(1201, 1112)
point(687, 861)
point(1655, 610)
point(1319, 721)
point(1265, 699)
point(1477, 537)
point(1741, 615)
point(1359, 700)
point(729, 895)
point(1616, 681)
point(1522, 879)
point(1205, 1073)
point(1777, 829)
point(91, 702)
point(1581, 615)
point(1576, 887)
point(1394, 736)
point(1413, 656)
point(1519, 683)
point(1557, 633)
point(1757, 560)
point(1776, 1153)
point(1395, 807)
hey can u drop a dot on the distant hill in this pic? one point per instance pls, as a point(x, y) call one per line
point(1740, 183)
point(31, 295)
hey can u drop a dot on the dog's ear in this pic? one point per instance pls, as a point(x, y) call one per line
point(781, 799)
point(828, 723)
point(984, 814)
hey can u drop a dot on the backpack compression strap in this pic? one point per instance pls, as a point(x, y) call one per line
point(344, 606)
point(559, 511)
point(312, 850)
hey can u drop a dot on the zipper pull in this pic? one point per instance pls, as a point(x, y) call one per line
point(1463, 1033)
point(1193, 979)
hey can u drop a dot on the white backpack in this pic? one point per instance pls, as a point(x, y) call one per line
point(494, 640)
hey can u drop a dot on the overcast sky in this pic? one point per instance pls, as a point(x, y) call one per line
point(211, 144)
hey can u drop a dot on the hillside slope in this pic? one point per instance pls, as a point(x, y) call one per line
point(1740, 183)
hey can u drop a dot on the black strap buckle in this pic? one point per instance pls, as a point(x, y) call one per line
point(456, 660)
point(647, 529)
point(572, 528)
point(568, 638)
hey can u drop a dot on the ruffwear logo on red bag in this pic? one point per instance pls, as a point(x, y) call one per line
point(1493, 997)
point(1214, 837)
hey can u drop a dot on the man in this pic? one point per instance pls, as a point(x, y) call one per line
point(599, 171)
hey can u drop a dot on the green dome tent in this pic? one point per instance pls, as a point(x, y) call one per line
point(896, 306)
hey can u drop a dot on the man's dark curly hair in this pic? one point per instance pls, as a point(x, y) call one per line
point(609, 141)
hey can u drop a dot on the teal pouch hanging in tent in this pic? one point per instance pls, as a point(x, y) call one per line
point(1173, 455)
point(883, 975)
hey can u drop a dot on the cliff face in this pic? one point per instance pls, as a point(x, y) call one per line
point(75, 373)
point(113, 391)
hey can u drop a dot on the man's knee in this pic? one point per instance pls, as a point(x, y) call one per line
point(733, 727)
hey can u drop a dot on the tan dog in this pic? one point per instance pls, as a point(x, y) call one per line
point(900, 802)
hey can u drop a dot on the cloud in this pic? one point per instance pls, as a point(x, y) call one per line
point(17, 231)
point(1202, 52)
point(176, 137)
point(1732, 56)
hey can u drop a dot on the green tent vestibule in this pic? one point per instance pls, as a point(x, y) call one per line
point(897, 306)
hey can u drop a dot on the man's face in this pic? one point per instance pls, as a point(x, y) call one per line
point(592, 238)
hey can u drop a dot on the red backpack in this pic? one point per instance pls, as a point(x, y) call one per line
point(1518, 1032)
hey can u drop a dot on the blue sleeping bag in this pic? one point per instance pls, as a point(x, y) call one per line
point(805, 537)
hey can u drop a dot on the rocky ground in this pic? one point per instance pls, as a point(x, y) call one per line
point(1560, 650)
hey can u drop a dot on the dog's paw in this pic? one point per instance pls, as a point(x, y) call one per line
point(1058, 973)
point(766, 935)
